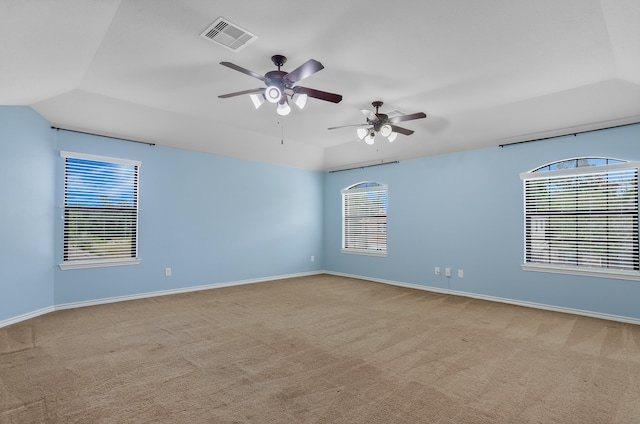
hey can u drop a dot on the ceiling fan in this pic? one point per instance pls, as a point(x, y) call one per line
point(381, 123)
point(280, 85)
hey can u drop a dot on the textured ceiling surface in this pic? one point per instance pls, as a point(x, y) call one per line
point(485, 73)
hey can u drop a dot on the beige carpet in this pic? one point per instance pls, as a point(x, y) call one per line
point(319, 349)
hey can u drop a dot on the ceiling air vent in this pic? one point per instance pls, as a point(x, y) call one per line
point(228, 34)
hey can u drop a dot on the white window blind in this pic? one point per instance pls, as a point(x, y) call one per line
point(100, 210)
point(583, 218)
point(364, 208)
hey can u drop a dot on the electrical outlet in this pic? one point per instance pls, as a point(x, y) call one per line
point(460, 273)
point(437, 270)
point(167, 272)
point(313, 258)
point(447, 272)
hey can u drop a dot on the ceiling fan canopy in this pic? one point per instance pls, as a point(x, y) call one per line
point(280, 85)
point(380, 123)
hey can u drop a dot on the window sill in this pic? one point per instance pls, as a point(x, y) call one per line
point(365, 252)
point(98, 264)
point(591, 272)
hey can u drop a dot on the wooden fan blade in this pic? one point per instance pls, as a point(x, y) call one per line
point(369, 114)
point(402, 130)
point(303, 71)
point(348, 126)
point(409, 117)
point(240, 93)
point(243, 70)
point(317, 94)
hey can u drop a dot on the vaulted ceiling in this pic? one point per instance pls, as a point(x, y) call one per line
point(485, 72)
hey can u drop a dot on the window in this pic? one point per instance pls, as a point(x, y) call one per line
point(100, 211)
point(581, 217)
point(364, 219)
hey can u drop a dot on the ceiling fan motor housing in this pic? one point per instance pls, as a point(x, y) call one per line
point(275, 85)
point(379, 122)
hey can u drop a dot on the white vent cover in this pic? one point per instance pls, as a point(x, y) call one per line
point(228, 34)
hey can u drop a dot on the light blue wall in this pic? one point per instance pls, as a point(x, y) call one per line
point(26, 212)
point(465, 211)
point(211, 219)
point(215, 219)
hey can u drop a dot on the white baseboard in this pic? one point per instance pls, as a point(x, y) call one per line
point(610, 317)
point(93, 302)
point(28, 315)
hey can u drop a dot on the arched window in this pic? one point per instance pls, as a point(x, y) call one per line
point(581, 216)
point(364, 219)
point(577, 163)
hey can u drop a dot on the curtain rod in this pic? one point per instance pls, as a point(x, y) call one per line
point(565, 135)
point(363, 166)
point(101, 135)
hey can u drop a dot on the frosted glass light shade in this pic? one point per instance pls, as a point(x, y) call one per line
point(257, 99)
point(370, 138)
point(299, 99)
point(392, 136)
point(362, 133)
point(386, 130)
point(283, 108)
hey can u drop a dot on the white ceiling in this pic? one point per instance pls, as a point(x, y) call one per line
point(485, 72)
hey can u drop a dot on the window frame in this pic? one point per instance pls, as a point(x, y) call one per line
point(547, 173)
point(66, 208)
point(367, 187)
